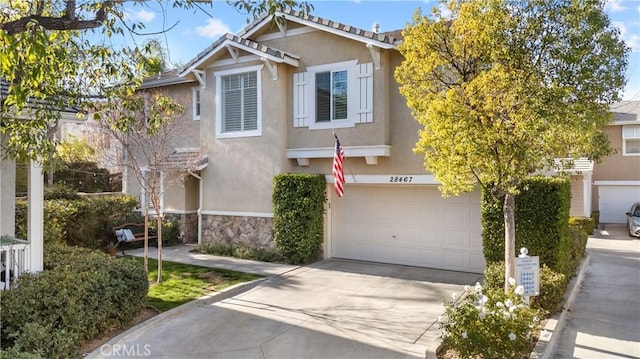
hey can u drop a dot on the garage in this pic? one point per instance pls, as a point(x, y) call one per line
point(614, 201)
point(407, 224)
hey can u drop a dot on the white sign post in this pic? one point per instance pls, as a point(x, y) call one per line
point(528, 274)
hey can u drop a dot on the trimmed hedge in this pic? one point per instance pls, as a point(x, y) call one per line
point(541, 216)
point(85, 222)
point(578, 245)
point(586, 224)
point(552, 286)
point(80, 294)
point(298, 215)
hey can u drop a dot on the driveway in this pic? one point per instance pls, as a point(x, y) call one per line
point(331, 309)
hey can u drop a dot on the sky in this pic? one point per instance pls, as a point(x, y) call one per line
point(194, 30)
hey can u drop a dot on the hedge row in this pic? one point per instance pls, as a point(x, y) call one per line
point(541, 216)
point(87, 222)
point(298, 215)
point(80, 294)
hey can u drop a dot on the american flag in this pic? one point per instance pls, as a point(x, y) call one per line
point(338, 172)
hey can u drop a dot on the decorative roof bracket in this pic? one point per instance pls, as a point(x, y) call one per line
point(200, 76)
point(235, 54)
point(273, 68)
point(375, 55)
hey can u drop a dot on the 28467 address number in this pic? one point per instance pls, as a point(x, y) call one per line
point(400, 179)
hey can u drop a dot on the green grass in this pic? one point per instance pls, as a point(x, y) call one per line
point(183, 283)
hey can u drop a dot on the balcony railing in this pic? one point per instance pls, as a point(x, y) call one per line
point(14, 260)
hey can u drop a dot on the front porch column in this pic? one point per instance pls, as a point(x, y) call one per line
point(586, 191)
point(35, 222)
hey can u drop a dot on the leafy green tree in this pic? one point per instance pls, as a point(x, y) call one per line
point(502, 87)
point(51, 60)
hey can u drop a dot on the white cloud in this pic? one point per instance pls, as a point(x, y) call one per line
point(213, 29)
point(141, 15)
point(614, 5)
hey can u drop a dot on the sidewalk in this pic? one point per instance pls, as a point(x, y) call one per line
point(604, 319)
point(182, 254)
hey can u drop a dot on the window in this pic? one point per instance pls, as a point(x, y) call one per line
point(196, 103)
point(154, 183)
point(333, 95)
point(631, 140)
point(238, 103)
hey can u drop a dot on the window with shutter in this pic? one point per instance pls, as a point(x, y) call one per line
point(238, 112)
point(333, 95)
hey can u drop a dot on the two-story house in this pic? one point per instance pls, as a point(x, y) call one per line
point(267, 101)
point(616, 180)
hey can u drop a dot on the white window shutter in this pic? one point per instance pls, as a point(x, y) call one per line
point(362, 93)
point(301, 93)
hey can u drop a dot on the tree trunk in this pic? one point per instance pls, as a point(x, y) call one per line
point(159, 223)
point(146, 238)
point(509, 209)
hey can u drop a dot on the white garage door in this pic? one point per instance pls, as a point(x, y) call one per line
point(615, 201)
point(410, 225)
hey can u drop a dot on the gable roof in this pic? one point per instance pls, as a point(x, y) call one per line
point(626, 112)
point(32, 103)
point(165, 79)
point(384, 40)
point(240, 43)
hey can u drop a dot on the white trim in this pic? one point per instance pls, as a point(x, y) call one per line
point(349, 151)
point(194, 90)
point(386, 179)
point(201, 77)
point(219, 74)
point(179, 211)
point(343, 65)
point(375, 55)
point(237, 214)
point(587, 190)
point(630, 132)
point(227, 62)
point(617, 183)
point(289, 32)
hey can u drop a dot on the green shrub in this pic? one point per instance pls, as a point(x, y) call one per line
point(578, 245)
point(85, 222)
point(489, 324)
point(541, 217)
point(60, 191)
point(13, 353)
point(170, 231)
point(298, 215)
point(595, 216)
point(80, 294)
point(553, 285)
point(218, 249)
point(586, 224)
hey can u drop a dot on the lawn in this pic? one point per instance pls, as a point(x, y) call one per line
point(183, 283)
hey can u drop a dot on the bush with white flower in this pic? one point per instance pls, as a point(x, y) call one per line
point(491, 324)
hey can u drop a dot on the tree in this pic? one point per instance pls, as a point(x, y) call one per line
point(150, 127)
point(504, 87)
point(49, 62)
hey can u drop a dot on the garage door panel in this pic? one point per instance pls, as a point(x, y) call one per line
point(410, 225)
point(615, 201)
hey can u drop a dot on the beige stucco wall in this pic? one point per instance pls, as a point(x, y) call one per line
point(7, 196)
point(240, 172)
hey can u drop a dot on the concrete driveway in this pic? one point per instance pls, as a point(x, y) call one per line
point(331, 309)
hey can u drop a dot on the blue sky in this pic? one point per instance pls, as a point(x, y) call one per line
point(195, 30)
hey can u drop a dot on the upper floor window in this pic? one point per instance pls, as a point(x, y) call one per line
point(238, 104)
point(333, 95)
point(196, 103)
point(631, 140)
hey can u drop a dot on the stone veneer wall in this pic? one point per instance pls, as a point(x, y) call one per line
point(188, 225)
point(238, 231)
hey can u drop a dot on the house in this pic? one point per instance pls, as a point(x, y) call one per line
point(616, 180)
point(267, 100)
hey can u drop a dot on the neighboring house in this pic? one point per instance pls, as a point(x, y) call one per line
point(266, 101)
point(616, 181)
point(17, 255)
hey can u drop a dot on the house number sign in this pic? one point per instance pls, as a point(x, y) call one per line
point(400, 179)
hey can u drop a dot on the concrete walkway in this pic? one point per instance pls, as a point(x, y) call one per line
point(182, 254)
point(604, 319)
point(329, 309)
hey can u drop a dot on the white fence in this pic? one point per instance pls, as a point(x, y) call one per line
point(14, 261)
